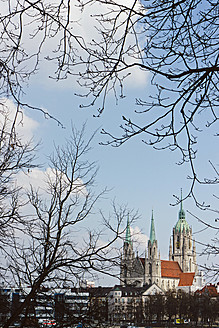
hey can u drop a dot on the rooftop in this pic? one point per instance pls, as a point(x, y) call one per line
point(186, 279)
point(170, 269)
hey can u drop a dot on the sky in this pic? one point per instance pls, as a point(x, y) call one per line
point(136, 174)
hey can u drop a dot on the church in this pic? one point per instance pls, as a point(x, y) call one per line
point(179, 272)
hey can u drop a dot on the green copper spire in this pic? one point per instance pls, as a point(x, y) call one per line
point(152, 233)
point(182, 223)
point(128, 233)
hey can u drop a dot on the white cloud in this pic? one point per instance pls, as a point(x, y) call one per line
point(140, 240)
point(89, 31)
point(25, 126)
point(38, 180)
point(35, 177)
point(84, 24)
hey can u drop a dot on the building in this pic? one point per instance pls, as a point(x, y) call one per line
point(98, 303)
point(128, 303)
point(48, 305)
point(180, 271)
point(210, 290)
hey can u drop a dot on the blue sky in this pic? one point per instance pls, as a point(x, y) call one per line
point(137, 175)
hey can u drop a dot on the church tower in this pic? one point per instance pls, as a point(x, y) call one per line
point(183, 248)
point(152, 260)
point(127, 258)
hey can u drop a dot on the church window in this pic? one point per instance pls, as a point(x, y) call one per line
point(177, 243)
point(150, 268)
point(125, 270)
point(190, 243)
point(150, 251)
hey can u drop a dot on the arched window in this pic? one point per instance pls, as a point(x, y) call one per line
point(125, 271)
point(150, 268)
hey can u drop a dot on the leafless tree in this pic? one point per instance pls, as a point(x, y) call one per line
point(16, 155)
point(175, 42)
point(58, 243)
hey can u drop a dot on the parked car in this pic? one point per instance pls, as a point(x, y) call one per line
point(48, 323)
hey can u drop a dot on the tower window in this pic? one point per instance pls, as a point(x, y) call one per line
point(177, 243)
point(150, 268)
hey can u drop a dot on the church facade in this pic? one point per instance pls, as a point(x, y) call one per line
point(180, 271)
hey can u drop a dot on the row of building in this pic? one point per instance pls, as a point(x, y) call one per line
point(141, 279)
point(102, 304)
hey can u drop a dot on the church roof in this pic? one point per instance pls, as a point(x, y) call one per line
point(152, 232)
point(186, 279)
point(170, 269)
point(182, 224)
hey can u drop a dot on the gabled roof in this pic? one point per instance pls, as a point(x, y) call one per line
point(186, 279)
point(153, 289)
point(170, 269)
point(99, 291)
point(133, 291)
point(210, 290)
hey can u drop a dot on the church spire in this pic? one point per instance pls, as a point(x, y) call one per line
point(128, 233)
point(152, 232)
point(181, 211)
point(182, 223)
